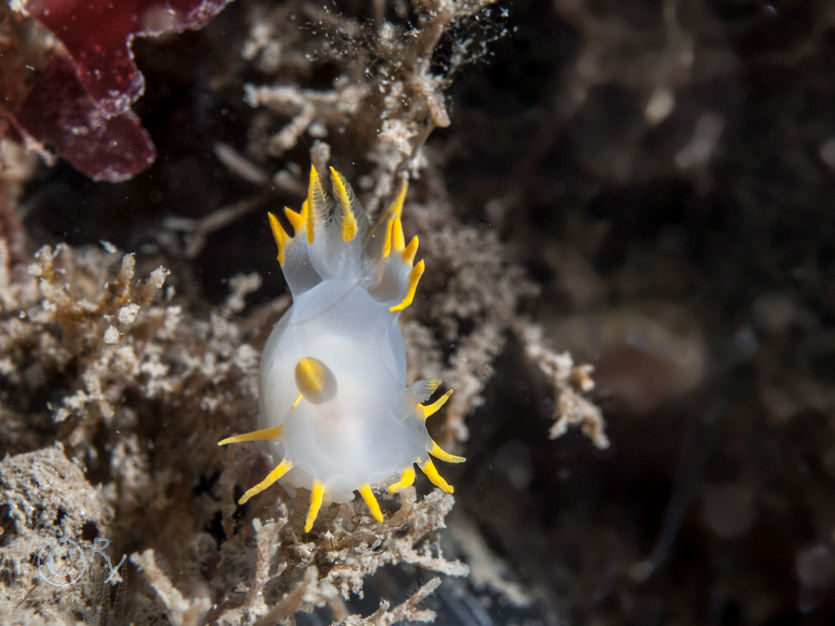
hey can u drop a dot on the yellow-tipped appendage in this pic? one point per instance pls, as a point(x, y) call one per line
point(382, 227)
point(398, 240)
point(279, 471)
point(428, 468)
point(371, 502)
point(426, 410)
point(407, 478)
point(414, 278)
point(439, 453)
point(396, 207)
point(409, 252)
point(256, 435)
point(299, 221)
point(280, 236)
point(317, 494)
point(395, 241)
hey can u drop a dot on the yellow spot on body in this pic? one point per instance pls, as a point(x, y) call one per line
point(256, 435)
point(406, 480)
point(414, 278)
point(371, 502)
point(432, 474)
point(310, 375)
point(297, 400)
point(279, 471)
point(439, 453)
point(314, 380)
point(434, 407)
point(317, 494)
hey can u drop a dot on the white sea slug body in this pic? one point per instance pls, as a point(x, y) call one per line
point(335, 406)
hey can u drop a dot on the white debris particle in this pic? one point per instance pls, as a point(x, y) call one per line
point(111, 335)
point(128, 313)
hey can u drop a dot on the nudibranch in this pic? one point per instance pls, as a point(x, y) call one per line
point(334, 403)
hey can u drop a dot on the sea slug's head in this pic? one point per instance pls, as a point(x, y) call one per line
point(334, 399)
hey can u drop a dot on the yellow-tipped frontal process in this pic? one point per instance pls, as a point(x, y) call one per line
point(336, 411)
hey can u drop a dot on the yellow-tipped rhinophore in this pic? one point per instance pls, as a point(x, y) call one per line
point(317, 494)
point(371, 502)
point(255, 435)
point(432, 474)
point(443, 455)
point(279, 471)
point(427, 410)
point(414, 277)
point(407, 479)
point(343, 194)
point(317, 204)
